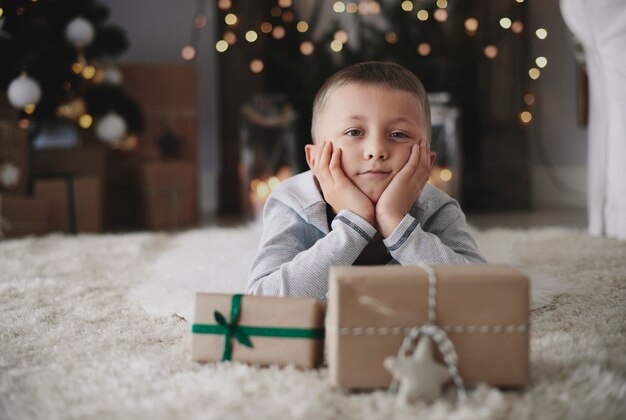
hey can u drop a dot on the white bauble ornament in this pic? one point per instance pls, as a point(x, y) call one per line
point(111, 127)
point(113, 75)
point(9, 175)
point(80, 32)
point(24, 91)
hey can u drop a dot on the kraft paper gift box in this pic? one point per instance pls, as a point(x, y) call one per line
point(169, 199)
point(281, 330)
point(75, 203)
point(87, 160)
point(484, 309)
point(22, 215)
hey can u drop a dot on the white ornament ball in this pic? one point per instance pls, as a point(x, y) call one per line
point(24, 91)
point(9, 175)
point(113, 75)
point(111, 127)
point(80, 32)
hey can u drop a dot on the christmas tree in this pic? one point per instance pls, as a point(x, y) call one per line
point(57, 65)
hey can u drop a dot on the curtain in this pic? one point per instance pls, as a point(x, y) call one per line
point(601, 28)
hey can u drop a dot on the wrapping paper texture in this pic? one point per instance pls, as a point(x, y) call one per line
point(483, 308)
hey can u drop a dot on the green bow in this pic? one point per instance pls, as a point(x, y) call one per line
point(231, 329)
point(242, 333)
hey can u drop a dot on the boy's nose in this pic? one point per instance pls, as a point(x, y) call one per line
point(376, 148)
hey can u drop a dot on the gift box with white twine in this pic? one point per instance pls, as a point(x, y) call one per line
point(476, 315)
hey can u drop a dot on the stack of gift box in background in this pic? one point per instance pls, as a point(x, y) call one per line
point(482, 309)
point(92, 187)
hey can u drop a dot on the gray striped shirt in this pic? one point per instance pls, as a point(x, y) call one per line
point(297, 246)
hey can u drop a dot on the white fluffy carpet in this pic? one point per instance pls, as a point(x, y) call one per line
point(76, 340)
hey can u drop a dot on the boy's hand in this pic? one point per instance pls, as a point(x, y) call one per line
point(404, 189)
point(338, 190)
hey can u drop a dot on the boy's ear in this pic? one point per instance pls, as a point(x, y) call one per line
point(433, 155)
point(310, 150)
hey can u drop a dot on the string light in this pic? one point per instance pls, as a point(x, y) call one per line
point(85, 121)
point(471, 24)
point(266, 27)
point(440, 15)
point(339, 7)
point(24, 123)
point(352, 7)
point(341, 36)
point(445, 175)
point(278, 32)
point(77, 68)
point(423, 49)
point(256, 66)
point(1, 11)
point(307, 48)
point(391, 37)
point(336, 45)
point(188, 52)
point(251, 36)
point(491, 51)
point(287, 16)
point(541, 33)
point(273, 182)
point(541, 62)
point(230, 19)
point(534, 73)
point(89, 72)
point(224, 4)
point(221, 46)
point(230, 37)
point(302, 26)
point(29, 109)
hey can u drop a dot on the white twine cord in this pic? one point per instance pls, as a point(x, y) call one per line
point(437, 334)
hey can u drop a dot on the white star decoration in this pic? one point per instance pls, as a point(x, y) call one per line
point(420, 376)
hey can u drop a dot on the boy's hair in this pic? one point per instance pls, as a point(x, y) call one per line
point(383, 74)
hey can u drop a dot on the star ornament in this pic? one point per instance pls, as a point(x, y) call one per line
point(420, 376)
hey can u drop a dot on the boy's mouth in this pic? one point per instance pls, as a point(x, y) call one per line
point(375, 172)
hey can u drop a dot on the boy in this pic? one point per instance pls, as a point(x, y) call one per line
point(366, 199)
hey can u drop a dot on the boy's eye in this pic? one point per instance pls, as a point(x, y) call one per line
point(354, 132)
point(399, 135)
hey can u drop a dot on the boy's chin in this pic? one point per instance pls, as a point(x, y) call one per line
point(374, 196)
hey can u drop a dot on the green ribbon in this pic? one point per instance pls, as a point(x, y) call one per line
point(242, 333)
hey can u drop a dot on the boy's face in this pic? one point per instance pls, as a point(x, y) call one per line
point(375, 128)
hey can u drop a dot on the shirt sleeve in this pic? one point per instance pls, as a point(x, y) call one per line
point(294, 257)
point(442, 239)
